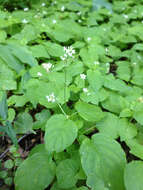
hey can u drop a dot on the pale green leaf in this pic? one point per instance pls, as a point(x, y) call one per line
point(60, 136)
point(103, 161)
point(66, 173)
point(35, 173)
point(133, 175)
point(89, 112)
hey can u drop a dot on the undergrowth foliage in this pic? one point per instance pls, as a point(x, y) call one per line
point(81, 62)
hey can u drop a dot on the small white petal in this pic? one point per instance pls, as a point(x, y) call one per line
point(96, 63)
point(24, 21)
point(43, 4)
point(62, 8)
point(134, 63)
point(83, 76)
point(44, 12)
point(85, 90)
point(88, 39)
point(54, 21)
point(79, 13)
point(79, 21)
point(26, 9)
point(51, 98)
point(62, 58)
point(125, 16)
point(106, 49)
point(39, 74)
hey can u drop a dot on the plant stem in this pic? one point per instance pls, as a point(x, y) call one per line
point(62, 110)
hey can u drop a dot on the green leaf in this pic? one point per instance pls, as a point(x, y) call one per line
point(138, 113)
point(126, 130)
point(95, 79)
point(11, 133)
point(104, 126)
point(60, 136)
point(54, 49)
point(8, 164)
point(3, 106)
point(39, 51)
point(66, 173)
point(11, 114)
point(3, 36)
point(137, 78)
point(136, 148)
point(138, 47)
point(97, 4)
point(9, 59)
point(23, 123)
point(115, 103)
point(23, 54)
point(103, 161)
point(89, 112)
point(114, 52)
point(133, 175)
point(40, 148)
point(35, 173)
point(7, 77)
point(115, 84)
point(123, 71)
point(41, 119)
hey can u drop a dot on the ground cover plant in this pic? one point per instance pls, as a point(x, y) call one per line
point(71, 95)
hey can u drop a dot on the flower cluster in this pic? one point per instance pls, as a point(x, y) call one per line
point(47, 66)
point(51, 98)
point(26, 9)
point(69, 52)
point(24, 21)
point(62, 8)
point(39, 74)
point(83, 76)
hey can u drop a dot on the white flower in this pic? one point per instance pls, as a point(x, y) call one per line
point(106, 49)
point(47, 66)
point(62, 58)
point(26, 9)
point(35, 16)
point(83, 76)
point(85, 90)
point(43, 4)
point(79, 13)
point(62, 8)
point(51, 98)
point(88, 39)
point(44, 12)
point(43, 25)
point(96, 63)
point(54, 21)
point(79, 21)
point(140, 99)
point(125, 16)
point(39, 74)
point(24, 21)
point(134, 63)
point(69, 52)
